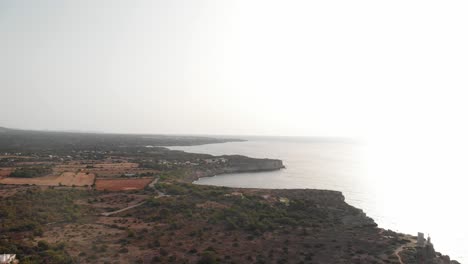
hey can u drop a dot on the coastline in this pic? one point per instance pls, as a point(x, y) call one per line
point(410, 252)
point(278, 225)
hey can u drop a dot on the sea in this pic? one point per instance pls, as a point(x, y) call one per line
point(403, 188)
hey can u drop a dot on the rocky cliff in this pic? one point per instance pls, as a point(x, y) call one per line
point(425, 254)
point(352, 224)
point(245, 164)
point(234, 164)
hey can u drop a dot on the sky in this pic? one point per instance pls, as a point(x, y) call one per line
point(394, 73)
point(293, 68)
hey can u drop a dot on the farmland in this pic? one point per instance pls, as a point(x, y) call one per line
point(65, 179)
point(140, 206)
point(117, 174)
point(122, 184)
point(5, 172)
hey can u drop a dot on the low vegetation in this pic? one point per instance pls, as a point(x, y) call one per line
point(25, 215)
point(31, 172)
point(116, 217)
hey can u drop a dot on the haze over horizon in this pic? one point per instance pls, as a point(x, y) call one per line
point(392, 74)
point(339, 68)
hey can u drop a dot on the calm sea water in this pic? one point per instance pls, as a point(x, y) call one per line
point(400, 192)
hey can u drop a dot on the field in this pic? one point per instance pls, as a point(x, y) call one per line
point(104, 173)
point(104, 169)
point(101, 166)
point(5, 172)
point(66, 178)
point(122, 184)
point(115, 166)
point(83, 173)
point(13, 157)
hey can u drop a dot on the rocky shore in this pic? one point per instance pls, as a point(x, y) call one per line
point(172, 220)
point(234, 164)
point(334, 201)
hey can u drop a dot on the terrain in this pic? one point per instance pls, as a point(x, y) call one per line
point(108, 198)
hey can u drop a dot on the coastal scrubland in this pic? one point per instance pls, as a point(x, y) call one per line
point(128, 202)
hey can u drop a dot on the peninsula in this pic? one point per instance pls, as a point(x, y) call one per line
point(110, 198)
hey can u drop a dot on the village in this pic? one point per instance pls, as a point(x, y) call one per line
point(109, 173)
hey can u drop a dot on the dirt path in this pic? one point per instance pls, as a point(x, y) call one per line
point(122, 210)
point(154, 182)
point(400, 249)
point(160, 194)
point(397, 253)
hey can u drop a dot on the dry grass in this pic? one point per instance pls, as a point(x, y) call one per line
point(66, 178)
point(103, 169)
point(115, 166)
point(122, 184)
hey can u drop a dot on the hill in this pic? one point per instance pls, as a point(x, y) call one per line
point(16, 140)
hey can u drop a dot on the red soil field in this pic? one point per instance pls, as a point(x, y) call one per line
point(122, 184)
point(5, 172)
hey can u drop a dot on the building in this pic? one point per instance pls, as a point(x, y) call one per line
point(215, 160)
point(209, 161)
point(421, 240)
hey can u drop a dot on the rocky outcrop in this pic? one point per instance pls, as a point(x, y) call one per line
point(331, 204)
point(422, 251)
point(235, 164)
point(244, 164)
point(427, 254)
point(358, 220)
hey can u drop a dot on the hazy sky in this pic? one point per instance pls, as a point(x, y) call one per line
point(339, 68)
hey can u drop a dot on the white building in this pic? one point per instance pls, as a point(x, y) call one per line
point(216, 160)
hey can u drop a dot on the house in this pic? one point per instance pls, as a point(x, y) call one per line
point(215, 160)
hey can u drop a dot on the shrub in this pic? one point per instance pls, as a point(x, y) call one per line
point(208, 257)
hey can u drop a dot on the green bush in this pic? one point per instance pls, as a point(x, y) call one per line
point(31, 172)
